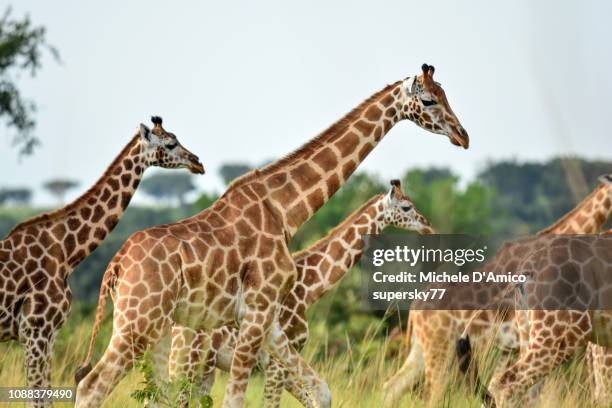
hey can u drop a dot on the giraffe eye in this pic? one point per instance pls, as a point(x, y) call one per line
point(428, 103)
point(407, 208)
point(171, 146)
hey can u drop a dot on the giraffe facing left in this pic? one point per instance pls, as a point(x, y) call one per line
point(38, 255)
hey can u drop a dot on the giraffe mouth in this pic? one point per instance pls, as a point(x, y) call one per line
point(459, 137)
point(197, 168)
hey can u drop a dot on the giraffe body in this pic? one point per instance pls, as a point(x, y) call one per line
point(38, 255)
point(432, 334)
point(230, 264)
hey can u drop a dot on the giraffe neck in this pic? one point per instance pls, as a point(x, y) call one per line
point(326, 262)
point(588, 217)
point(301, 183)
point(81, 226)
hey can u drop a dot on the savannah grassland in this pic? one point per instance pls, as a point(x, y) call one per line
point(354, 375)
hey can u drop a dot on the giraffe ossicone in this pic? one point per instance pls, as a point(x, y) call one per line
point(39, 254)
point(230, 263)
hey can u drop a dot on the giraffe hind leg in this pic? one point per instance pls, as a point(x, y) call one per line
point(406, 377)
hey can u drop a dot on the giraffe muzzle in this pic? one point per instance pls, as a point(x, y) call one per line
point(459, 137)
point(196, 166)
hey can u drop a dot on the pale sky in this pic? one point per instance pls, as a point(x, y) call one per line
point(248, 81)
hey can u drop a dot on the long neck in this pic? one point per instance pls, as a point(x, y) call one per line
point(328, 260)
point(301, 183)
point(81, 226)
point(588, 217)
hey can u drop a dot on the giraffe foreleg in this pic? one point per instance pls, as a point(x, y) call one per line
point(38, 347)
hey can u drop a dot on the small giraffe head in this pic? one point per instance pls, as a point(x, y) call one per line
point(162, 148)
point(425, 103)
point(401, 212)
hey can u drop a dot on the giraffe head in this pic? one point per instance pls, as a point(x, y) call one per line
point(425, 103)
point(162, 148)
point(400, 211)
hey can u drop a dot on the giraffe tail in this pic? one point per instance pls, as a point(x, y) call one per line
point(463, 348)
point(86, 367)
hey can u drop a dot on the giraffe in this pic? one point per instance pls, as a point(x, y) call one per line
point(230, 264)
point(38, 255)
point(599, 362)
point(562, 269)
point(431, 334)
point(320, 268)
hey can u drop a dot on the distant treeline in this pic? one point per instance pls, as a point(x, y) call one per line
point(506, 198)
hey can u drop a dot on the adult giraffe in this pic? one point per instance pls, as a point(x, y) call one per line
point(230, 264)
point(39, 254)
point(320, 268)
point(431, 334)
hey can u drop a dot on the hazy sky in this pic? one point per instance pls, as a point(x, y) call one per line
point(250, 81)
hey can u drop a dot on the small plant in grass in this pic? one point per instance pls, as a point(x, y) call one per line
point(164, 393)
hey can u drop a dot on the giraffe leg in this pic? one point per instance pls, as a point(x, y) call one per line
point(281, 350)
point(406, 378)
point(115, 363)
point(277, 379)
point(600, 367)
point(130, 339)
point(436, 359)
point(250, 338)
point(38, 347)
point(186, 359)
point(160, 358)
point(37, 338)
point(273, 384)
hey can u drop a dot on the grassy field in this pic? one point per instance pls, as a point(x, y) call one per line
point(355, 378)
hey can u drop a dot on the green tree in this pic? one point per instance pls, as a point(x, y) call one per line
point(450, 208)
point(59, 188)
point(16, 195)
point(21, 47)
point(230, 171)
point(169, 186)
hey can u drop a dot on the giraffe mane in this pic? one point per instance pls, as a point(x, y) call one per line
point(58, 213)
point(572, 212)
point(337, 128)
point(347, 221)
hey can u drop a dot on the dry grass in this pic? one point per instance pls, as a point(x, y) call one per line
point(355, 379)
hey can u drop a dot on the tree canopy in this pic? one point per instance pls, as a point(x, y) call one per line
point(168, 186)
point(21, 48)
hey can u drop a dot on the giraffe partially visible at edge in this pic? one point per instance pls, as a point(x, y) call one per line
point(38, 255)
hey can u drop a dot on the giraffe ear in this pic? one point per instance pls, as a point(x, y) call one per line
point(410, 85)
point(395, 186)
point(145, 132)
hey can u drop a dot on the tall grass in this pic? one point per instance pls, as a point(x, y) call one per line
point(355, 376)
